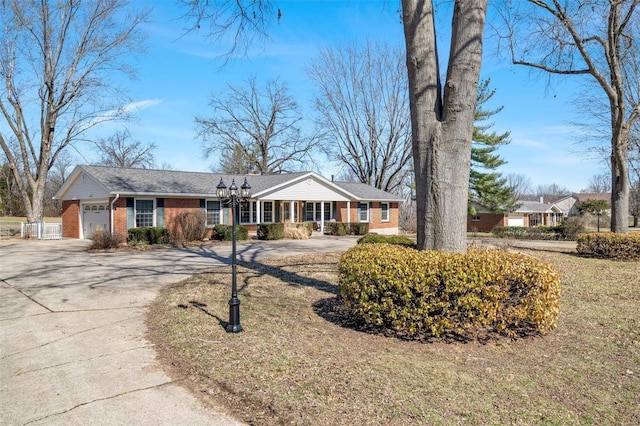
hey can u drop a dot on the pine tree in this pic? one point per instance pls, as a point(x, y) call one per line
point(486, 186)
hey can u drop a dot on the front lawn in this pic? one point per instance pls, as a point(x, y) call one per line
point(295, 364)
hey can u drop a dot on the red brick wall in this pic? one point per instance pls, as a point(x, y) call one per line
point(374, 215)
point(119, 215)
point(71, 219)
point(487, 222)
point(174, 206)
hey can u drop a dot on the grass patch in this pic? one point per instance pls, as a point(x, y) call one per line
point(294, 364)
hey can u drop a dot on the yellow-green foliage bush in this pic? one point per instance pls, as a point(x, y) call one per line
point(610, 245)
point(418, 294)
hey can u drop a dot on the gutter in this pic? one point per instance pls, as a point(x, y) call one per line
point(111, 212)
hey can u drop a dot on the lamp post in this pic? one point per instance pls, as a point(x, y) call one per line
point(232, 198)
point(599, 213)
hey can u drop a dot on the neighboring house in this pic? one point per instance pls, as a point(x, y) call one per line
point(117, 199)
point(531, 213)
point(568, 203)
point(528, 214)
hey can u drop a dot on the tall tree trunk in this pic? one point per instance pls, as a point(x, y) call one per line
point(619, 182)
point(442, 122)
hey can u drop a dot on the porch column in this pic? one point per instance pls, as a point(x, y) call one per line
point(322, 217)
point(348, 211)
point(291, 217)
point(257, 212)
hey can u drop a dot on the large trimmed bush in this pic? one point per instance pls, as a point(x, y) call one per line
point(610, 246)
point(418, 294)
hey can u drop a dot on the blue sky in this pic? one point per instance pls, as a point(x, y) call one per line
point(180, 73)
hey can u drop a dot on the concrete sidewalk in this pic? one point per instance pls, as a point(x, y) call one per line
point(72, 332)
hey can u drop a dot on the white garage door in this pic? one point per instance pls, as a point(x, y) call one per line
point(94, 216)
point(517, 220)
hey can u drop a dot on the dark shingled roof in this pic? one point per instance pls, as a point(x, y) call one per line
point(148, 181)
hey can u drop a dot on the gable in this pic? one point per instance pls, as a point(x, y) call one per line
point(309, 189)
point(83, 186)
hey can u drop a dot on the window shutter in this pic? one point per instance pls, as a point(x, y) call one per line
point(203, 205)
point(357, 212)
point(277, 212)
point(130, 213)
point(160, 212)
point(334, 215)
point(225, 218)
point(370, 211)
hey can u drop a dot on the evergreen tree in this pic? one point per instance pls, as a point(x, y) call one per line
point(487, 186)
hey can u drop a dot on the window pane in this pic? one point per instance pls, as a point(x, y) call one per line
point(309, 213)
point(267, 213)
point(384, 208)
point(144, 213)
point(364, 212)
point(327, 212)
point(213, 212)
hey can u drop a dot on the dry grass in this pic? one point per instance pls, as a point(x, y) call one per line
point(293, 365)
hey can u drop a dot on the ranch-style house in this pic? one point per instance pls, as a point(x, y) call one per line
point(117, 199)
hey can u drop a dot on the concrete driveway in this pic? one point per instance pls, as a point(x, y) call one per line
point(72, 332)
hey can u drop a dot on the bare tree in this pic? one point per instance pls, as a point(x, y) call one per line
point(520, 185)
point(119, 150)
point(262, 123)
point(599, 183)
point(57, 60)
point(363, 110)
point(599, 39)
point(441, 116)
point(550, 192)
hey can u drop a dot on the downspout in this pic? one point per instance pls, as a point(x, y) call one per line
point(111, 212)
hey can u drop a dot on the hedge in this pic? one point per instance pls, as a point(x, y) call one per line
point(422, 294)
point(346, 228)
point(564, 231)
point(388, 239)
point(225, 232)
point(154, 235)
point(610, 245)
point(270, 231)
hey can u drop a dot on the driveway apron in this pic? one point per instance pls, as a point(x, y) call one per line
point(72, 331)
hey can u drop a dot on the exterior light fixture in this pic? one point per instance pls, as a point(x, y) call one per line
point(232, 198)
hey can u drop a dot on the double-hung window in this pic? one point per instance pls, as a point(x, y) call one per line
point(213, 213)
point(248, 212)
point(267, 212)
point(313, 211)
point(384, 212)
point(144, 213)
point(363, 212)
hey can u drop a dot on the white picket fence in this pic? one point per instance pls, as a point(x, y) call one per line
point(41, 230)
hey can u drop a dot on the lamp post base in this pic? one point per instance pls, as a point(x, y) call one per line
point(234, 316)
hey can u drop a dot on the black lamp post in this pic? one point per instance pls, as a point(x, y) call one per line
point(232, 198)
point(599, 213)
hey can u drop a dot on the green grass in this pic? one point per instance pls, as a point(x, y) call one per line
point(294, 364)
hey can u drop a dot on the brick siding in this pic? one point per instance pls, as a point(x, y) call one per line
point(71, 219)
